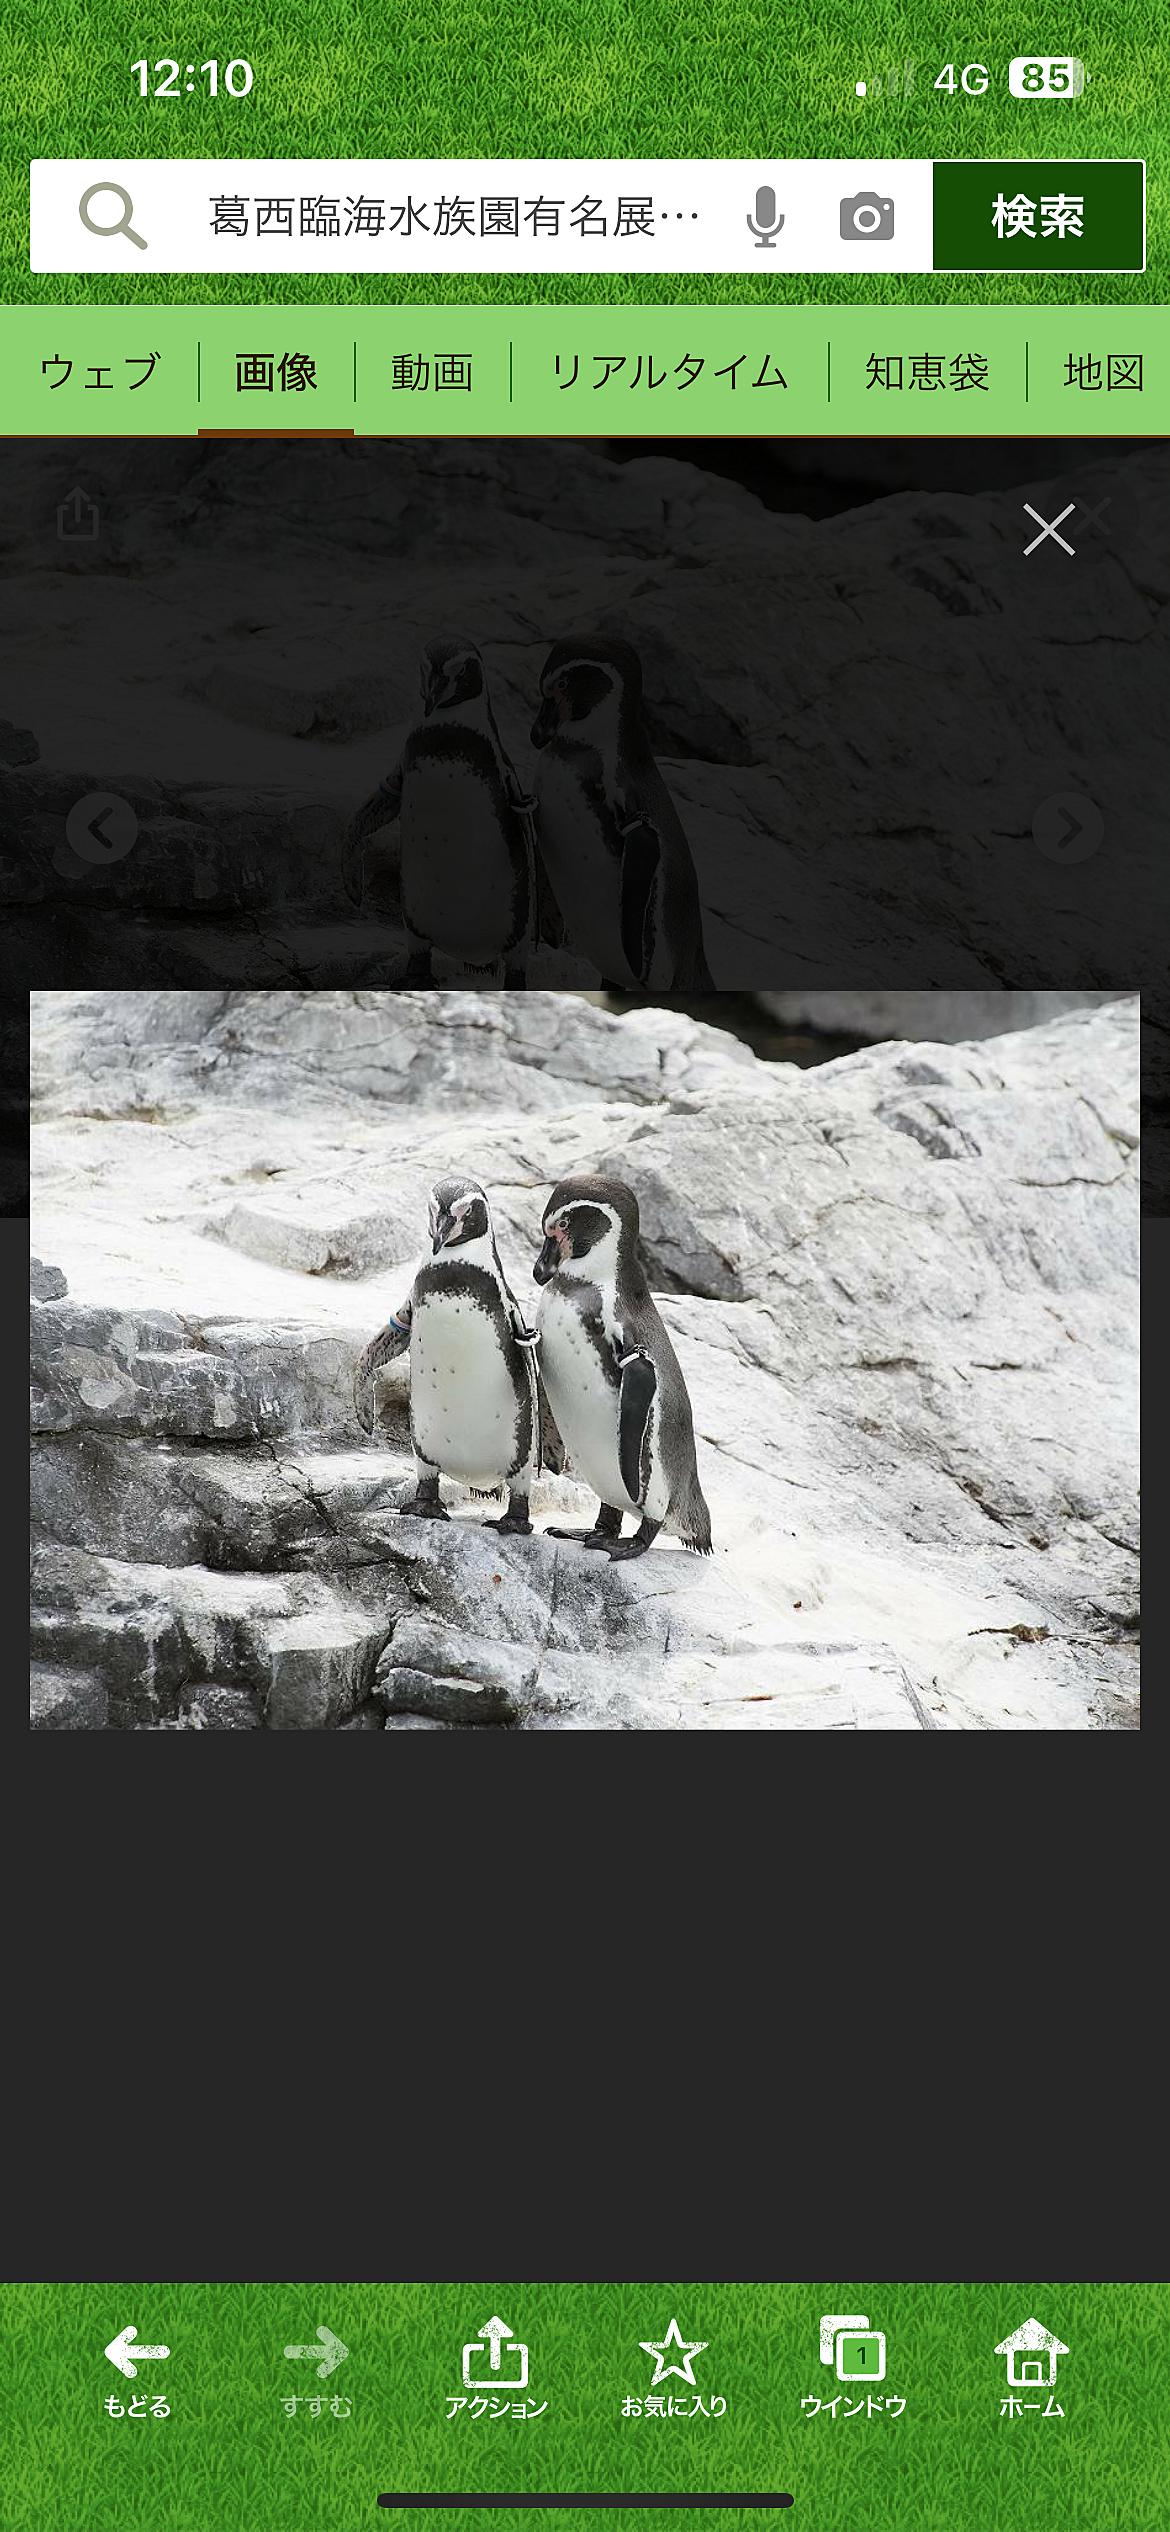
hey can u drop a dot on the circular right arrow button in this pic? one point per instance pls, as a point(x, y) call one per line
point(1068, 826)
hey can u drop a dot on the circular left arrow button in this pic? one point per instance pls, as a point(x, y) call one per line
point(101, 827)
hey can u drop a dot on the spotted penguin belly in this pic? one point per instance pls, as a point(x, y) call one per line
point(458, 873)
point(464, 1413)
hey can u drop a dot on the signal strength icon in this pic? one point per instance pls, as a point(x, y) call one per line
point(897, 83)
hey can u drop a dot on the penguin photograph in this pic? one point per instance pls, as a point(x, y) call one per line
point(483, 861)
point(772, 1361)
point(598, 1373)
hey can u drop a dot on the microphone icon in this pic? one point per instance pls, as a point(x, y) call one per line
point(768, 220)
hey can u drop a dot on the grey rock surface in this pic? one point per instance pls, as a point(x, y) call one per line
point(903, 1288)
point(46, 1283)
point(17, 747)
point(66, 1700)
point(946, 1016)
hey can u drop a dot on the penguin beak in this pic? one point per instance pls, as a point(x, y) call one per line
point(443, 1229)
point(544, 724)
point(547, 1262)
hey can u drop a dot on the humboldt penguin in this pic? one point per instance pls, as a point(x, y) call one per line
point(611, 838)
point(612, 1375)
point(468, 859)
point(474, 1409)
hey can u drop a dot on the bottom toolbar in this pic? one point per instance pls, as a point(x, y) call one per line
point(658, 371)
point(1035, 2407)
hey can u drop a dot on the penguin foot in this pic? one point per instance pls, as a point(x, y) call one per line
point(424, 1508)
point(514, 1523)
point(606, 1528)
point(412, 971)
point(643, 1538)
point(584, 1538)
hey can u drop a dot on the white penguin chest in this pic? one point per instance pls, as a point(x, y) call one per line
point(583, 1396)
point(584, 871)
point(464, 1413)
point(457, 870)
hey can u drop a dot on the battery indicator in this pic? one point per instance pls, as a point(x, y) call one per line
point(1040, 75)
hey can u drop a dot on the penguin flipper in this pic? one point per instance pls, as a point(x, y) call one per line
point(641, 856)
point(527, 1339)
point(550, 922)
point(638, 1390)
point(553, 1455)
point(385, 1347)
point(379, 810)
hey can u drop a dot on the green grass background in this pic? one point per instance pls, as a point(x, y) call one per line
point(573, 78)
point(228, 2456)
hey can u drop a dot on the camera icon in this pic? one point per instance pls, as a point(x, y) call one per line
point(866, 216)
point(857, 2353)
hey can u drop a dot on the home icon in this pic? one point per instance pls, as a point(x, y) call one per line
point(1029, 2351)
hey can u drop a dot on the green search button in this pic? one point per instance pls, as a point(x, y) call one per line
point(1039, 215)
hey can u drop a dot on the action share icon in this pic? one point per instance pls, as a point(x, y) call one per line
point(494, 2335)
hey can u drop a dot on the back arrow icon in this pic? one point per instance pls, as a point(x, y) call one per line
point(102, 827)
point(334, 2353)
point(118, 2351)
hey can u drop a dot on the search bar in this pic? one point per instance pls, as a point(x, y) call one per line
point(562, 215)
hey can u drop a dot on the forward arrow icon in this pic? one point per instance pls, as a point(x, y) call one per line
point(331, 2349)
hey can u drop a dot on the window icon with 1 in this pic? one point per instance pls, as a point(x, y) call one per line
point(858, 2353)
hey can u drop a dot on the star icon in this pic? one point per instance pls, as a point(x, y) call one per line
point(686, 2348)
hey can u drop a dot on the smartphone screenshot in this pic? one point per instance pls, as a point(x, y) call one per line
point(754, 2407)
point(583, 768)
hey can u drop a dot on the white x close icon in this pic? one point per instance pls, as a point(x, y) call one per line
point(1048, 527)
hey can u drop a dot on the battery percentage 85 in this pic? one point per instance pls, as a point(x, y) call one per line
point(1045, 76)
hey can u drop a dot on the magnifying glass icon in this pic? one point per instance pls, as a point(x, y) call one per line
point(121, 228)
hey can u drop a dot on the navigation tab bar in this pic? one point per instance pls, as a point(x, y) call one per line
point(626, 372)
